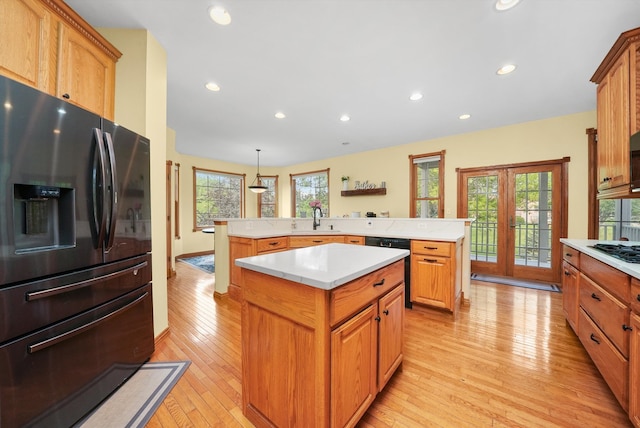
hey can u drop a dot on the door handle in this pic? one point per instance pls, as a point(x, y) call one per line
point(512, 223)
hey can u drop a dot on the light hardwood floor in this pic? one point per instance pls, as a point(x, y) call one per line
point(508, 360)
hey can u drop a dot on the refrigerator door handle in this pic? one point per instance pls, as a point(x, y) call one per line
point(32, 296)
point(99, 218)
point(114, 192)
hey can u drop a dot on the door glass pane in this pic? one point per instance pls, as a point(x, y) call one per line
point(482, 204)
point(532, 221)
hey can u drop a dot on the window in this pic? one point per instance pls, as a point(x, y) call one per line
point(216, 195)
point(427, 185)
point(619, 218)
point(268, 200)
point(308, 187)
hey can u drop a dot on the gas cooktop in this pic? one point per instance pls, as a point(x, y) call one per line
point(627, 253)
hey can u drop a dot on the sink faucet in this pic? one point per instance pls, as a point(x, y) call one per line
point(131, 215)
point(317, 213)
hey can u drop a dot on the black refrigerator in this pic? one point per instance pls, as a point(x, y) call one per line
point(76, 314)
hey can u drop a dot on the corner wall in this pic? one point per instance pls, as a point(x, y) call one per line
point(141, 105)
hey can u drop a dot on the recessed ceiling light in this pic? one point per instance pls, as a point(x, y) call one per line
point(415, 96)
point(506, 4)
point(212, 86)
point(280, 115)
point(506, 69)
point(219, 15)
point(464, 116)
point(345, 118)
point(345, 143)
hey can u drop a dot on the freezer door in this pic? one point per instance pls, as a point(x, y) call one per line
point(129, 205)
point(47, 185)
point(101, 348)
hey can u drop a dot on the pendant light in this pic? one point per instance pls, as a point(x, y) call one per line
point(257, 186)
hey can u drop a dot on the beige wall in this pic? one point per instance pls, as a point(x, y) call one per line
point(533, 141)
point(141, 105)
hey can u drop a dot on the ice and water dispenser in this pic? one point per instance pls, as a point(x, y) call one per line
point(43, 217)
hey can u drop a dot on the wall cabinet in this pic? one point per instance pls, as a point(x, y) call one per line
point(618, 111)
point(436, 274)
point(50, 47)
point(318, 357)
point(570, 286)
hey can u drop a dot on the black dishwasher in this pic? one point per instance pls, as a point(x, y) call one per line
point(403, 244)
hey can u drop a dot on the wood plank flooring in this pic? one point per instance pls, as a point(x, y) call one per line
point(507, 360)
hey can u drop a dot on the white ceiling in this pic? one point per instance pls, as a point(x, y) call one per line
point(315, 60)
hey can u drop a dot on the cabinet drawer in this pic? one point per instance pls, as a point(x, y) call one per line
point(611, 364)
point(432, 248)
point(353, 296)
point(607, 312)
point(271, 244)
point(635, 295)
point(571, 255)
point(355, 240)
point(609, 278)
point(308, 241)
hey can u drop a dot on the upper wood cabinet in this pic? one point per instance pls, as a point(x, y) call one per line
point(48, 46)
point(618, 110)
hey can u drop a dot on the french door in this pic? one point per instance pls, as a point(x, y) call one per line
point(518, 219)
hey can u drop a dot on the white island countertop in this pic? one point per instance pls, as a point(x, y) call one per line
point(586, 246)
point(323, 266)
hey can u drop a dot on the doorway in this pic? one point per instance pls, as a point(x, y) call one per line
point(519, 213)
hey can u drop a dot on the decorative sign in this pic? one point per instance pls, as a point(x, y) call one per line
point(364, 186)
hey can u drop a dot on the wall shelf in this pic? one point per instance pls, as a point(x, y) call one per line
point(362, 192)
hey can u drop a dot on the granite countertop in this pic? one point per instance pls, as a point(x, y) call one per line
point(585, 246)
point(323, 266)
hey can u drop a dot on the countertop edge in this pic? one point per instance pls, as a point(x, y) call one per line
point(275, 234)
point(584, 246)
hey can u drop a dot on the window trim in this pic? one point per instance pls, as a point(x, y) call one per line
point(242, 178)
point(413, 182)
point(303, 174)
point(275, 191)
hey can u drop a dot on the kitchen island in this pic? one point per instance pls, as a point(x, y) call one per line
point(322, 332)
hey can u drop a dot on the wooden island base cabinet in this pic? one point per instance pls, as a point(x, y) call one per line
point(314, 357)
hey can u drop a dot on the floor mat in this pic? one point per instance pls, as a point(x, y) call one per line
point(135, 402)
point(205, 263)
point(516, 282)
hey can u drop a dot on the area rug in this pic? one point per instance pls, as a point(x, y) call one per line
point(205, 263)
point(516, 282)
point(135, 402)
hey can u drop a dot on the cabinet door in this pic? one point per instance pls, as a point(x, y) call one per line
point(634, 371)
point(613, 125)
point(86, 74)
point(570, 294)
point(353, 367)
point(26, 29)
point(431, 281)
point(238, 248)
point(391, 334)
